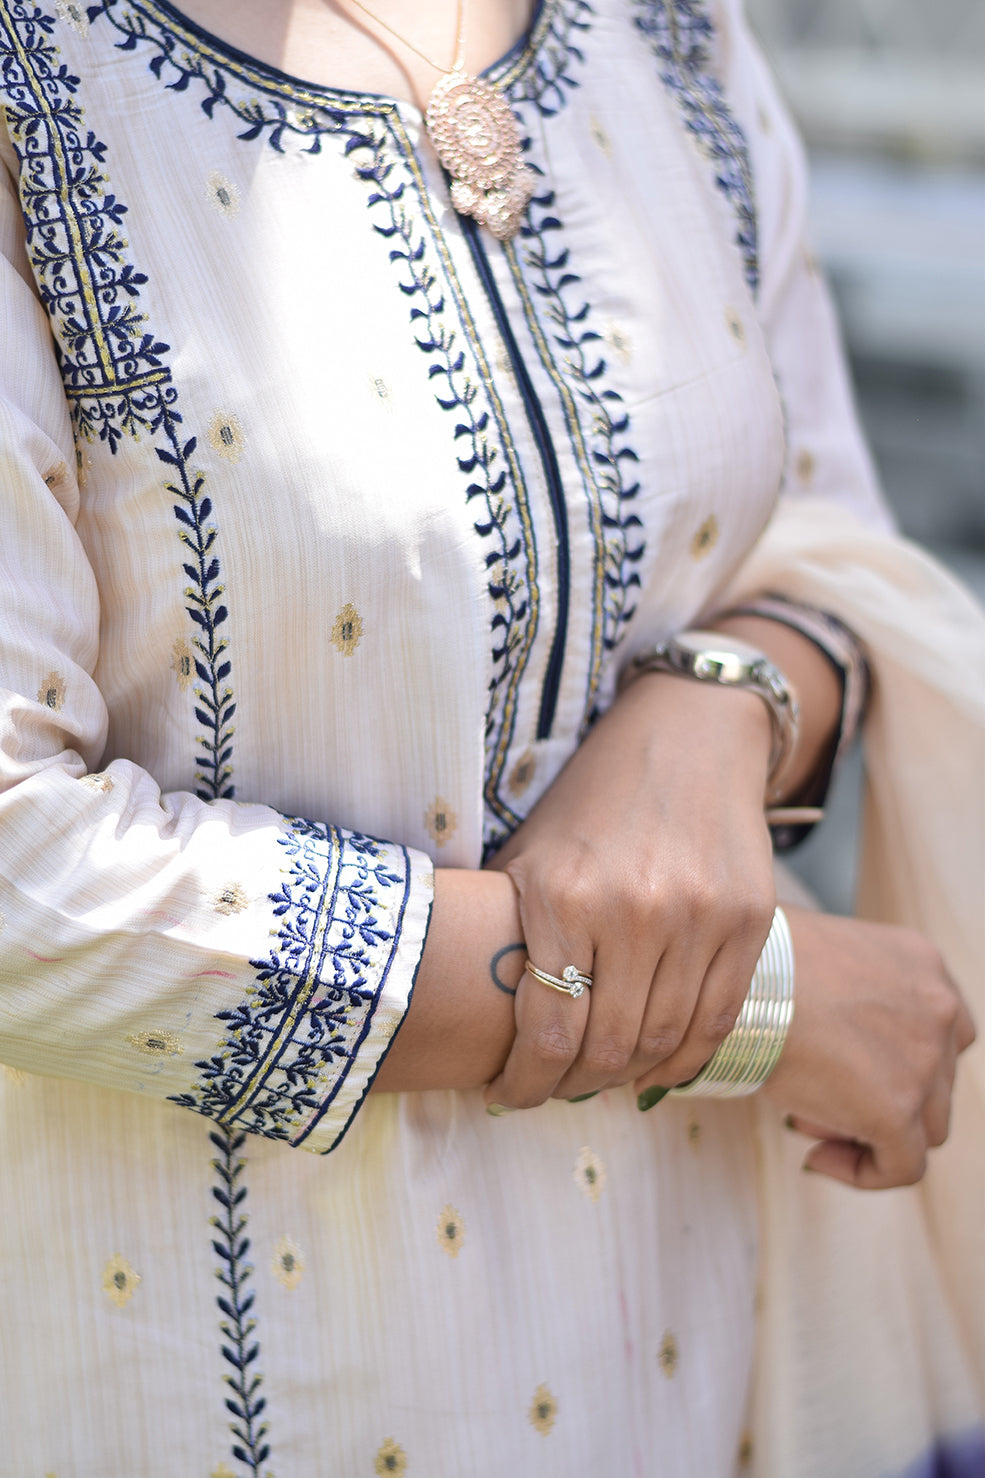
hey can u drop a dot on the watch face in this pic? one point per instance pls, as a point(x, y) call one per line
point(725, 659)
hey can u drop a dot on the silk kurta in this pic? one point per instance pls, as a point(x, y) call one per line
point(329, 523)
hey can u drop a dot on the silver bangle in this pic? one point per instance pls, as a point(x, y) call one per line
point(752, 1049)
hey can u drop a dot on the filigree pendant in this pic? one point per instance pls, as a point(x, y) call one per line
point(477, 140)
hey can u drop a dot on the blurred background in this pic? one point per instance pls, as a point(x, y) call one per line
point(890, 96)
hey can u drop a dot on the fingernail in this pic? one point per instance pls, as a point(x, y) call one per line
point(650, 1097)
point(788, 1122)
point(809, 1169)
point(497, 1110)
point(581, 1097)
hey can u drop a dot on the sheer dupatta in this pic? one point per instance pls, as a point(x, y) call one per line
point(872, 1350)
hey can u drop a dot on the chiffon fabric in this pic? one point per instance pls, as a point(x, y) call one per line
point(328, 526)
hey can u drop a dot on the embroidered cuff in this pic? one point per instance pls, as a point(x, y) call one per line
point(297, 1057)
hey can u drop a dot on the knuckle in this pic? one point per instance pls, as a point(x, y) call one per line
point(660, 1042)
point(751, 913)
point(555, 1046)
point(607, 1057)
point(913, 1169)
point(717, 1026)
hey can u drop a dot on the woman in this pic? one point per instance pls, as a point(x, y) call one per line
point(336, 502)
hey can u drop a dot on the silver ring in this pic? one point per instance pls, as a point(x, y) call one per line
point(573, 982)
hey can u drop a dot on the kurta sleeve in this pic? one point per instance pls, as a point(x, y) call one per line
point(250, 966)
point(826, 452)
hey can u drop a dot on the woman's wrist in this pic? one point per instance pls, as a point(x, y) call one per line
point(819, 695)
point(460, 1023)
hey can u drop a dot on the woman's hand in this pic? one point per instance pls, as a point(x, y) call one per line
point(869, 1063)
point(647, 864)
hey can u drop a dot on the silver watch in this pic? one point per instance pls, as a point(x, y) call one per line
point(710, 657)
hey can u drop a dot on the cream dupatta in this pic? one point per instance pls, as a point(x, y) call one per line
point(873, 1304)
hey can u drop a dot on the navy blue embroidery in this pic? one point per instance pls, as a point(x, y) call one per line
point(510, 560)
point(117, 382)
point(551, 275)
point(115, 377)
point(553, 49)
point(239, 1349)
point(288, 1048)
point(285, 114)
point(680, 35)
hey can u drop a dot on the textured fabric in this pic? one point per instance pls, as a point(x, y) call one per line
point(875, 1305)
point(319, 503)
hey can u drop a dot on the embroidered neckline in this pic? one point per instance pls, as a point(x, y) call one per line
point(518, 62)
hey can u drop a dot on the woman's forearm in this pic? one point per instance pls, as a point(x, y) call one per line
point(815, 682)
point(460, 1025)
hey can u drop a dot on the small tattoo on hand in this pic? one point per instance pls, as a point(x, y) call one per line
point(507, 949)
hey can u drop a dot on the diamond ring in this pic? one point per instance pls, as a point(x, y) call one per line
point(572, 982)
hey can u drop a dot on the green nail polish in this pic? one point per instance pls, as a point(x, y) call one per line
point(650, 1097)
point(497, 1110)
point(581, 1097)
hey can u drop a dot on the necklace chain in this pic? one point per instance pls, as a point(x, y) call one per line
point(459, 61)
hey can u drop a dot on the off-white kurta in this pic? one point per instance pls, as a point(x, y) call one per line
point(319, 503)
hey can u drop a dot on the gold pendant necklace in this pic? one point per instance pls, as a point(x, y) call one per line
point(475, 135)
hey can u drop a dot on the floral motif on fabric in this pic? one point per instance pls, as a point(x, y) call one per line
point(115, 376)
point(390, 1458)
point(120, 1280)
point(288, 1263)
point(543, 1410)
point(565, 330)
point(451, 1231)
point(288, 1048)
point(240, 1348)
point(681, 35)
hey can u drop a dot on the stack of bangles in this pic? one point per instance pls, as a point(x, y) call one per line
point(752, 1049)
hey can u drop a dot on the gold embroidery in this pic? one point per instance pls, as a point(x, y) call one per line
point(182, 662)
point(74, 15)
point(600, 136)
point(390, 1459)
point(451, 1231)
point(805, 467)
point(694, 1134)
point(223, 195)
point(83, 465)
point(52, 692)
point(441, 821)
point(668, 1355)
point(589, 1173)
point(157, 1043)
point(763, 119)
point(100, 781)
point(120, 1280)
point(706, 538)
point(543, 1410)
point(222, 1472)
point(735, 326)
point(523, 772)
point(16, 1075)
point(810, 261)
point(745, 1449)
point(226, 436)
point(230, 899)
point(288, 1262)
point(348, 630)
point(56, 475)
point(622, 347)
point(381, 390)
